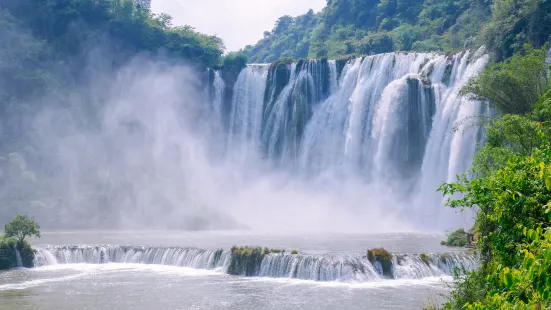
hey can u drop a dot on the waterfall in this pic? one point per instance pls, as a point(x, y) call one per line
point(96, 254)
point(393, 121)
point(246, 111)
point(453, 139)
point(323, 268)
point(218, 97)
point(326, 268)
point(18, 256)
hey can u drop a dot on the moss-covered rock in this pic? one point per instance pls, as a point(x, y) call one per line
point(425, 258)
point(384, 258)
point(246, 261)
point(8, 253)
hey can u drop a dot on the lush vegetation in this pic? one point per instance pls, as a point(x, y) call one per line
point(22, 227)
point(354, 27)
point(14, 240)
point(458, 238)
point(511, 189)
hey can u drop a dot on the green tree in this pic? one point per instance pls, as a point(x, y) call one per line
point(513, 86)
point(21, 227)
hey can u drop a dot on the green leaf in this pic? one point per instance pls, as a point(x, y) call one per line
point(508, 279)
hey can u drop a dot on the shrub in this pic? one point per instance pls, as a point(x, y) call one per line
point(514, 86)
point(294, 252)
point(458, 238)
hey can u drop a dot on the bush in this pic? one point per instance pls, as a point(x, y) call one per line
point(469, 287)
point(294, 252)
point(514, 86)
point(458, 238)
point(514, 222)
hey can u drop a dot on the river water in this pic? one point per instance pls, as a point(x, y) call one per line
point(63, 286)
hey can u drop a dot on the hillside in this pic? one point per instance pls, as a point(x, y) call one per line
point(359, 27)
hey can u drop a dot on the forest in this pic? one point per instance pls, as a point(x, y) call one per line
point(364, 27)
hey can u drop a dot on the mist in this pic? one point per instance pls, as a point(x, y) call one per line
point(138, 142)
point(138, 147)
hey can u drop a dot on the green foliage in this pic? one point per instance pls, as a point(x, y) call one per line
point(513, 86)
point(508, 137)
point(8, 256)
point(511, 189)
point(21, 227)
point(294, 252)
point(458, 238)
point(514, 23)
point(232, 64)
point(526, 285)
point(469, 287)
point(383, 257)
point(354, 27)
point(514, 206)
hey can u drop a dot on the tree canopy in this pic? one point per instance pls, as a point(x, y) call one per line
point(22, 227)
point(356, 27)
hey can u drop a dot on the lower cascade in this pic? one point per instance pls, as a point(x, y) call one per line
point(323, 268)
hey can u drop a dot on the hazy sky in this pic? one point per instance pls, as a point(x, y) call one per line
point(237, 22)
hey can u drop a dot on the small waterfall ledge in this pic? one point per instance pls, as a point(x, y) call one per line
point(323, 268)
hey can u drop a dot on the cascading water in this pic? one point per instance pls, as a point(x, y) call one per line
point(18, 256)
point(183, 257)
point(389, 121)
point(324, 268)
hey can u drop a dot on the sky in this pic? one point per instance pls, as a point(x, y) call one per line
point(237, 22)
